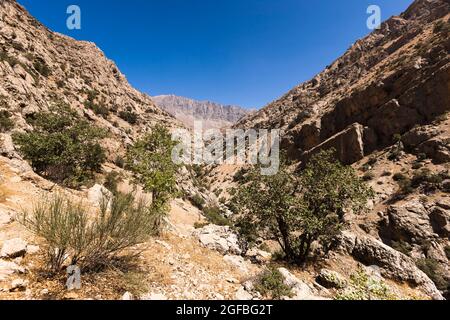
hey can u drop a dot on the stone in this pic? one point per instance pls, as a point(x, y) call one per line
point(331, 279)
point(32, 249)
point(219, 238)
point(5, 218)
point(97, 193)
point(13, 248)
point(243, 295)
point(348, 144)
point(440, 221)
point(393, 264)
point(237, 261)
point(300, 289)
point(154, 297)
point(408, 221)
point(19, 285)
point(7, 148)
point(8, 268)
point(127, 296)
point(259, 256)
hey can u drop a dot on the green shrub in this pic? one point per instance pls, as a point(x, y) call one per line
point(368, 176)
point(63, 147)
point(75, 236)
point(417, 166)
point(129, 116)
point(402, 246)
point(6, 123)
point(42, 68)
point(434, 271)
point(399, 177)
point(447, 252)
point(214, 216)
point(271, 285)
point(299, 208)
point(363, 287)
point(198, 201)
point(112, 180)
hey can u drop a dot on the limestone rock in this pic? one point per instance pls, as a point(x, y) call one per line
point(13, 248)
point(243, 295)
point(8, 268)
point(393, 264)
point(97, 193)
point(219, 238)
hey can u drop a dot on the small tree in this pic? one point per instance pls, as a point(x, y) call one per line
point(150, 159)
point(62, 147)
point(298, 209)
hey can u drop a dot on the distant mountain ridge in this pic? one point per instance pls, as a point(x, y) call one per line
point(213, 115)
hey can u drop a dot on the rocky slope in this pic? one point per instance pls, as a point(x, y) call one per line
point(213, 115)
point(39, 68)
point(194, 260)
point(385, 84)
point(384, 106)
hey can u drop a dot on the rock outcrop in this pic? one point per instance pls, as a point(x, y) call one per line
point(396, 78)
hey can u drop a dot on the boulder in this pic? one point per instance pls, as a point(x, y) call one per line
point(97, 193)
point(331, 279)
point(393, 264)
point(259, 256)
point(13, 248)
point(219, 238)
point(300, 290)
point(127, 296)
point(408, 221)
point(19, 285)
point(8, 268)
point(348, 144)
point(440, 221)
point(243, 295)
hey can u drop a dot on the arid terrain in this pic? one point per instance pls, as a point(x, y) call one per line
point(383, 106)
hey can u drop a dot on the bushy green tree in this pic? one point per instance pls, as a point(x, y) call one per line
point(62, 147)
point(297, 209)
point(150, 159)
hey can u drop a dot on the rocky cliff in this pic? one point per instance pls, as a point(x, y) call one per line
point(213, 115)
point(385, 84)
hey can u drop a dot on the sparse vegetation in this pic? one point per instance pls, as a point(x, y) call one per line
point(129, 116)
point(63, 147)
point(298, 209)
point(76, 237)
point(369, 176)
point(271, 285)
point(363, 287)
point(214, 216)
point(198, 201)
point(112, 179)
point(6, 123)
point(434, 271)
point(41, 67)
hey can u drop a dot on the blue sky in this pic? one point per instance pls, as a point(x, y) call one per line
point(244, 52)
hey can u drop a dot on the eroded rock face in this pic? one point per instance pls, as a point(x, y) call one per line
point(389, 82)
point(393, 264)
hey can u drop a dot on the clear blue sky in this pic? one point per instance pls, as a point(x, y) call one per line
point(245, 52)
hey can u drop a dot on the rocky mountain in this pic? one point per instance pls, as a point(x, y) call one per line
point(213, 115)
point(385, 84)
point(384, 107)
point(39, 68)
